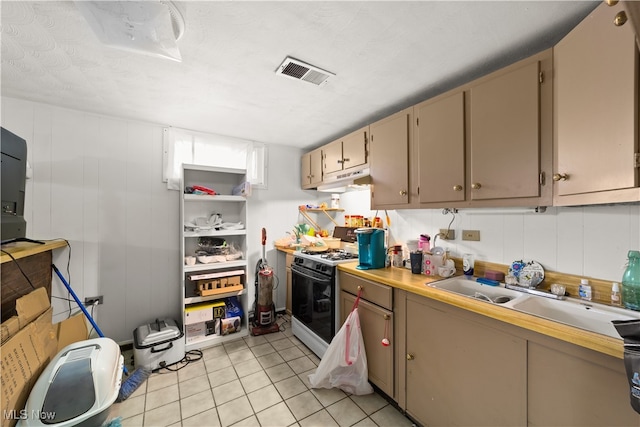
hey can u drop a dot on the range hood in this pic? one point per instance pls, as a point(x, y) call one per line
point(339, 182)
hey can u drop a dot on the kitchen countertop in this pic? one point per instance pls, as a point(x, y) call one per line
point(415, 283)
point(285, 249)
point(24, 249)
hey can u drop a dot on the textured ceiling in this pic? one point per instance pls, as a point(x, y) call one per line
point(386, 56)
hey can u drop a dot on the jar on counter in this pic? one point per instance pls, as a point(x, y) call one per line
point(631, 282)
point(396, 256)
point(377, 222)
point(347, 220)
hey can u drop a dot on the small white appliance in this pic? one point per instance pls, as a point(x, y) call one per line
point(158, 344)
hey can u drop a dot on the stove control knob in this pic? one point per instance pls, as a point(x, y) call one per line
point(323, 268)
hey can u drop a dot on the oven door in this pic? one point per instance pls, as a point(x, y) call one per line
point(313, 300)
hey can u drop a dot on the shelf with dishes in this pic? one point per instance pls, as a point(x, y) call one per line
point(214, 266)
point(215, 299)
point(216, 198)
point(215, 233)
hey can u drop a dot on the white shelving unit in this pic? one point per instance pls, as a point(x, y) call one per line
point(233, 209)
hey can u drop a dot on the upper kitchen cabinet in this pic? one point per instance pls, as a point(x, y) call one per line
point(389, 160)
point(440, 141)
point(345, 153)
point(510, 135)
point(311, 169)
point(596, 111)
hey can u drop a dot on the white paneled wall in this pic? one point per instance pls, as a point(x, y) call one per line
point(590, 241)
point(97, 182)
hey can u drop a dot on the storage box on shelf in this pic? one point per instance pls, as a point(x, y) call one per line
point(213, 250)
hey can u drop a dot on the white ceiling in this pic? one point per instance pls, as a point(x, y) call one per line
point(386, 56)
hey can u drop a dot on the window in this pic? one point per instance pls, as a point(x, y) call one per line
point(182, 146)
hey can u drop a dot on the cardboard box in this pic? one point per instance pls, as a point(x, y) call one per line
point(71, 330)
point(197, 314)
point(196, 331)
point(29, 342)
point(204, 312)
point(25, 351)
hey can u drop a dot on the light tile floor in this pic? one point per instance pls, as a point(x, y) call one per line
point(253, 381)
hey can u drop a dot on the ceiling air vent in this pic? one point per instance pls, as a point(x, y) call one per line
point(299, 70)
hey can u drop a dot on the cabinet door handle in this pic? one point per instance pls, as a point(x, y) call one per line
point(360, 288)
point(345, 160)
point(339, 161)
point(457, 188)
point(386, 317)
point(410, 356)
point(560, 176)
point(620, 19)
point(611, 2)
point(403, 192)
point(476, 186)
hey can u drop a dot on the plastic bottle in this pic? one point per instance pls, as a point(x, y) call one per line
point(585, 290)
point(631, 282)
point(615, 294)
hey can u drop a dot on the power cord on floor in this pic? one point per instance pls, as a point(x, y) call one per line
point(189, 357)
point(282, 320)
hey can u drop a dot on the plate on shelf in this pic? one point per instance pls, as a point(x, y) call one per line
point(529, 273)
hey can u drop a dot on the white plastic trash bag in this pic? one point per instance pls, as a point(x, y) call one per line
point(344, 365)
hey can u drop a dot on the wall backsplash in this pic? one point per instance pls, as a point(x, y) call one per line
point(589, 241)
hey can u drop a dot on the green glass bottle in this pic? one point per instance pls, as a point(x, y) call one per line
point(631, 282)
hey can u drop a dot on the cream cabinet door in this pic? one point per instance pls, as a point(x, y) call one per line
point(354, 148)
point(311, 169)
point(596, 95)
point(332, 153)
point(460, 372)
point(439, 134)
point(505, 135)
point(389, 160)
point(316, 167)
point(305, 170)
point(374, 320)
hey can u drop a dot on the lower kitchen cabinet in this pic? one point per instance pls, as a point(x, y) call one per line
point(462, 372)
point(463, 368)
point(376, 320)
point(573, 386)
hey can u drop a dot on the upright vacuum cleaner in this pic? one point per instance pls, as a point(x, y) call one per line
point(264, 311)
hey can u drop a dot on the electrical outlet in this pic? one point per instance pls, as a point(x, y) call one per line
point(92, 300)
point(472, 235)
point(450, 236)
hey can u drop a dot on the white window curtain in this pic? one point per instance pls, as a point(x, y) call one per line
point(182, 146)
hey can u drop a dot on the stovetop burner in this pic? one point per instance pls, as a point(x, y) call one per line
point(331, 256)
point(338, 255)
